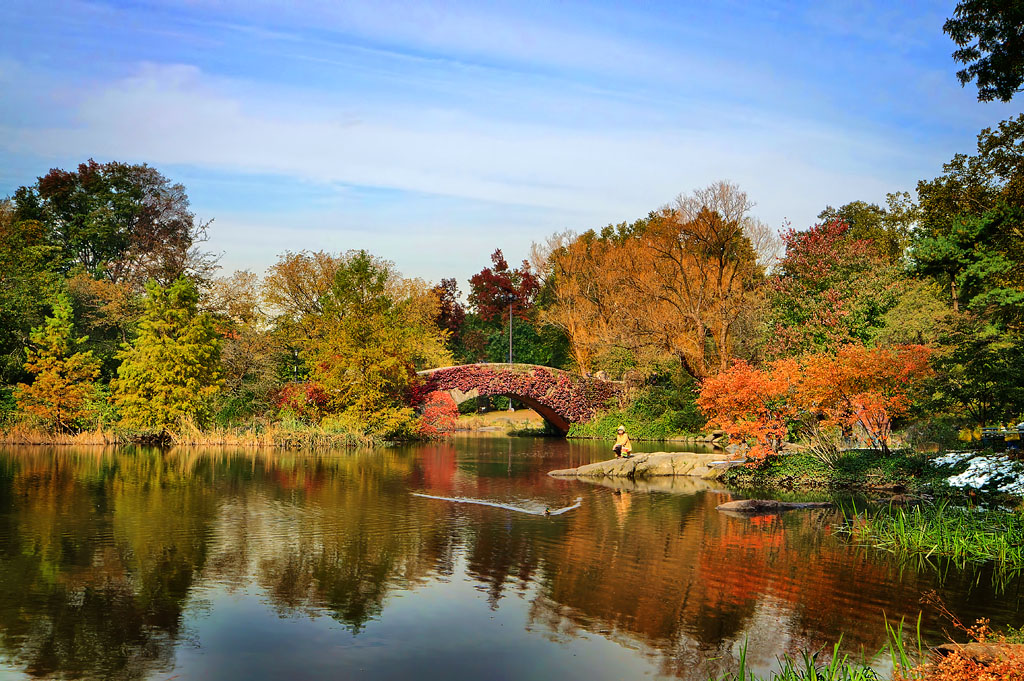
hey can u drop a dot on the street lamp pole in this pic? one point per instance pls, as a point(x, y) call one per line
point(510, 331)
point(510, 407)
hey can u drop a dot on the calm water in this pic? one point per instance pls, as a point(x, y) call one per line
point(190, 564)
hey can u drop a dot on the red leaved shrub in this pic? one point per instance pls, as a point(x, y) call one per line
point(440, 414)
point(307, 401)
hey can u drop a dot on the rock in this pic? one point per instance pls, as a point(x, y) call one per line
point(676, 484)
point(641, 466)
point(757, 506)
point(985, 653)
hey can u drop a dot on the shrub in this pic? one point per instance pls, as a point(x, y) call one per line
point(440, 415)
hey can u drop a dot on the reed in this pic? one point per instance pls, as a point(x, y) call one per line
point(839, 667)
point(27, 434)
point(964, 535)
point(282, 435)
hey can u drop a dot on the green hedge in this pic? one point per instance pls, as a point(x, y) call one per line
point(657, 413)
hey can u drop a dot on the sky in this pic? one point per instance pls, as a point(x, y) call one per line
point(431, 133)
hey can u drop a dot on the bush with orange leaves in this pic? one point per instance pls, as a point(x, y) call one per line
point(991, 658)
point(861, 386)
point(858, 386)
point(753, 404)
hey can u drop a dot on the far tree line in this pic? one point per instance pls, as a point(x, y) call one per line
point(113, 315)
point(106, 295)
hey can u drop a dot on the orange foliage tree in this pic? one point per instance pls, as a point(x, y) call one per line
point(863, 386)
point(680, 282)
point(753, 404)
point(64, 375)
point(858, 386)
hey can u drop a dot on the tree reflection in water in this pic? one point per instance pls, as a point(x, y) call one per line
point(102, 554)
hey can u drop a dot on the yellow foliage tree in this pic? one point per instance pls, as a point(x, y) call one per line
point(64, 376)
point(376, 330)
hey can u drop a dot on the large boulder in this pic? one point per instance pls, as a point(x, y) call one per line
point(657, 464)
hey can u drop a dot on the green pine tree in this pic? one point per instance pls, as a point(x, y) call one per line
point(63, 383)
point(171, 370)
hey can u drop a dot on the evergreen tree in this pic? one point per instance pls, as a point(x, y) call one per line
point(171, 370)
point(64, 376)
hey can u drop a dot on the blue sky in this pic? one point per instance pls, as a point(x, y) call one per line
point(432, 132)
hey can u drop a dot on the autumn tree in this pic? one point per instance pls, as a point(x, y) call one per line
point(828, 290)
point(496, 290)
point(171, 370)
point(858, 386)
point(585, 294)
point(681, 282)
point(297, 285)
point(451, 315)
point(118, 221)
point(64, 376)
point(887, 228)
point(862, 386)
point(253, 359)
point(703, 271)
point(752, 404)
point(498, 294)
point(376, 330)
point(439, 417)
point(28, 279)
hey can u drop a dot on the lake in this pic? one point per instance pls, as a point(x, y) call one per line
point(210, 564)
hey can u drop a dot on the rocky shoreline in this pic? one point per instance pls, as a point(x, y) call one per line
point(656, 464)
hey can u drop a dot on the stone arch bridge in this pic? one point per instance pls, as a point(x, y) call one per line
point(560, 397)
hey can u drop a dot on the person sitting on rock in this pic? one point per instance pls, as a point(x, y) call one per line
point(623, 447)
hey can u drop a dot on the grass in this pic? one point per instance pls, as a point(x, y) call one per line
point(838, 666)
point(508, 422)
point(26, 434)
point(964, 535)
point(665, 427)
point(282, 435)
point(854, 469)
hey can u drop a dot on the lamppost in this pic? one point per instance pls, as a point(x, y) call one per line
point(511, 299)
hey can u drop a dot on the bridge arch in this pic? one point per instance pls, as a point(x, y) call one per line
point(560, 397)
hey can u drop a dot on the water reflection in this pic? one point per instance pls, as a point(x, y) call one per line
point(132, 563)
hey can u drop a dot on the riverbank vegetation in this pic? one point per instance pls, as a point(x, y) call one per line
point(986, 655)
point(963, 534)
point(864, 469)
point(881, 326)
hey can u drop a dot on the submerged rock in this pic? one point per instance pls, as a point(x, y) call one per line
point(753, 506)
point(652, 465)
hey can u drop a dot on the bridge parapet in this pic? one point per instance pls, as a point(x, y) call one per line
point(562, 398)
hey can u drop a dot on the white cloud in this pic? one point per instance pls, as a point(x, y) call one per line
point(179, 115)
